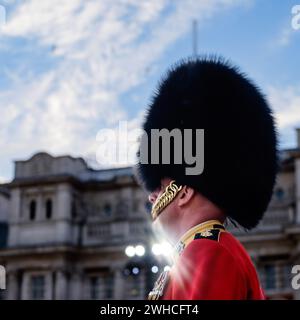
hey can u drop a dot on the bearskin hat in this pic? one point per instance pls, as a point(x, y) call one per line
point(240, 143)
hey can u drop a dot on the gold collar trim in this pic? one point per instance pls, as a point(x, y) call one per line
point(190, 234)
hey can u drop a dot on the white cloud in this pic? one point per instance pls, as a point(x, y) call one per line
point(285, 36)
point(3, 180)
point(286, 104)
point(103, 49)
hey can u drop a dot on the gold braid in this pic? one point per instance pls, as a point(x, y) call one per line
point(165, 199)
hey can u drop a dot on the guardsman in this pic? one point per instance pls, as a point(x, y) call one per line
point(212, 98)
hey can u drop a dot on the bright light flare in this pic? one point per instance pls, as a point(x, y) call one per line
point(140, 250)
point(163, 248)
point(130, 251)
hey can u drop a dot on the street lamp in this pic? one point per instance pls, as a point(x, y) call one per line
point(140, 250)
point(132, 251)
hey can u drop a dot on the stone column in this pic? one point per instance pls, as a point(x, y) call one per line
point(63, 213)
point(14, 217)
point(12, 286)
point(2, 278)
point(118, 284)
point(15, 205)
point(143, 284)
point(48, 286)
point(40, 208)
point(61, 286)
point(25, 287)
point(86, 287)
point(64, 201)
point(76, 286)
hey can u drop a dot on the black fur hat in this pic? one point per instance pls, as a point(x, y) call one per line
point(240, 144)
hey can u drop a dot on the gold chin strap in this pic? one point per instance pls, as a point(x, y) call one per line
point(165, 199)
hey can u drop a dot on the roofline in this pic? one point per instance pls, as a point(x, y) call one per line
point(51, 156)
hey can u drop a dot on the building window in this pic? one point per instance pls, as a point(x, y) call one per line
point(95, 288)
point(109, 286)
point(37, 287)
point(3, 234)
point(270, 277)
point(48, 209)
point(286, 276)
point(101, 287)
point(122, 209)
point(32, 210)
point(133, 286)
point(107, 209)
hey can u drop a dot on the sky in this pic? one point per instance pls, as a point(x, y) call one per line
point(71, 68)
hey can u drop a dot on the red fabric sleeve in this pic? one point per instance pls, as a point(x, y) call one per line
point(207, 271)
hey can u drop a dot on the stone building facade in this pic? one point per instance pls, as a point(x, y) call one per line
point(68, 229)
point(64, 228)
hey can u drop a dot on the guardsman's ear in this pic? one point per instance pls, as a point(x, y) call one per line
point(185, 195)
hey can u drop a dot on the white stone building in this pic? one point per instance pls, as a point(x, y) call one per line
point(68, 229)
point(64, 228)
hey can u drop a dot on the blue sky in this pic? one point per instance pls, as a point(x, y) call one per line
point(72, 68)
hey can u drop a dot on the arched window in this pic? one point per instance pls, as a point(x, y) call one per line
point(107, 209)
point(32, 210)
point(48, 209)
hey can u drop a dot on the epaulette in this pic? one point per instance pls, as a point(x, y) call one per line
point(210, 234)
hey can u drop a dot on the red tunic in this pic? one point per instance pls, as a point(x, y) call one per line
point(212, 266)
point(213, 270)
